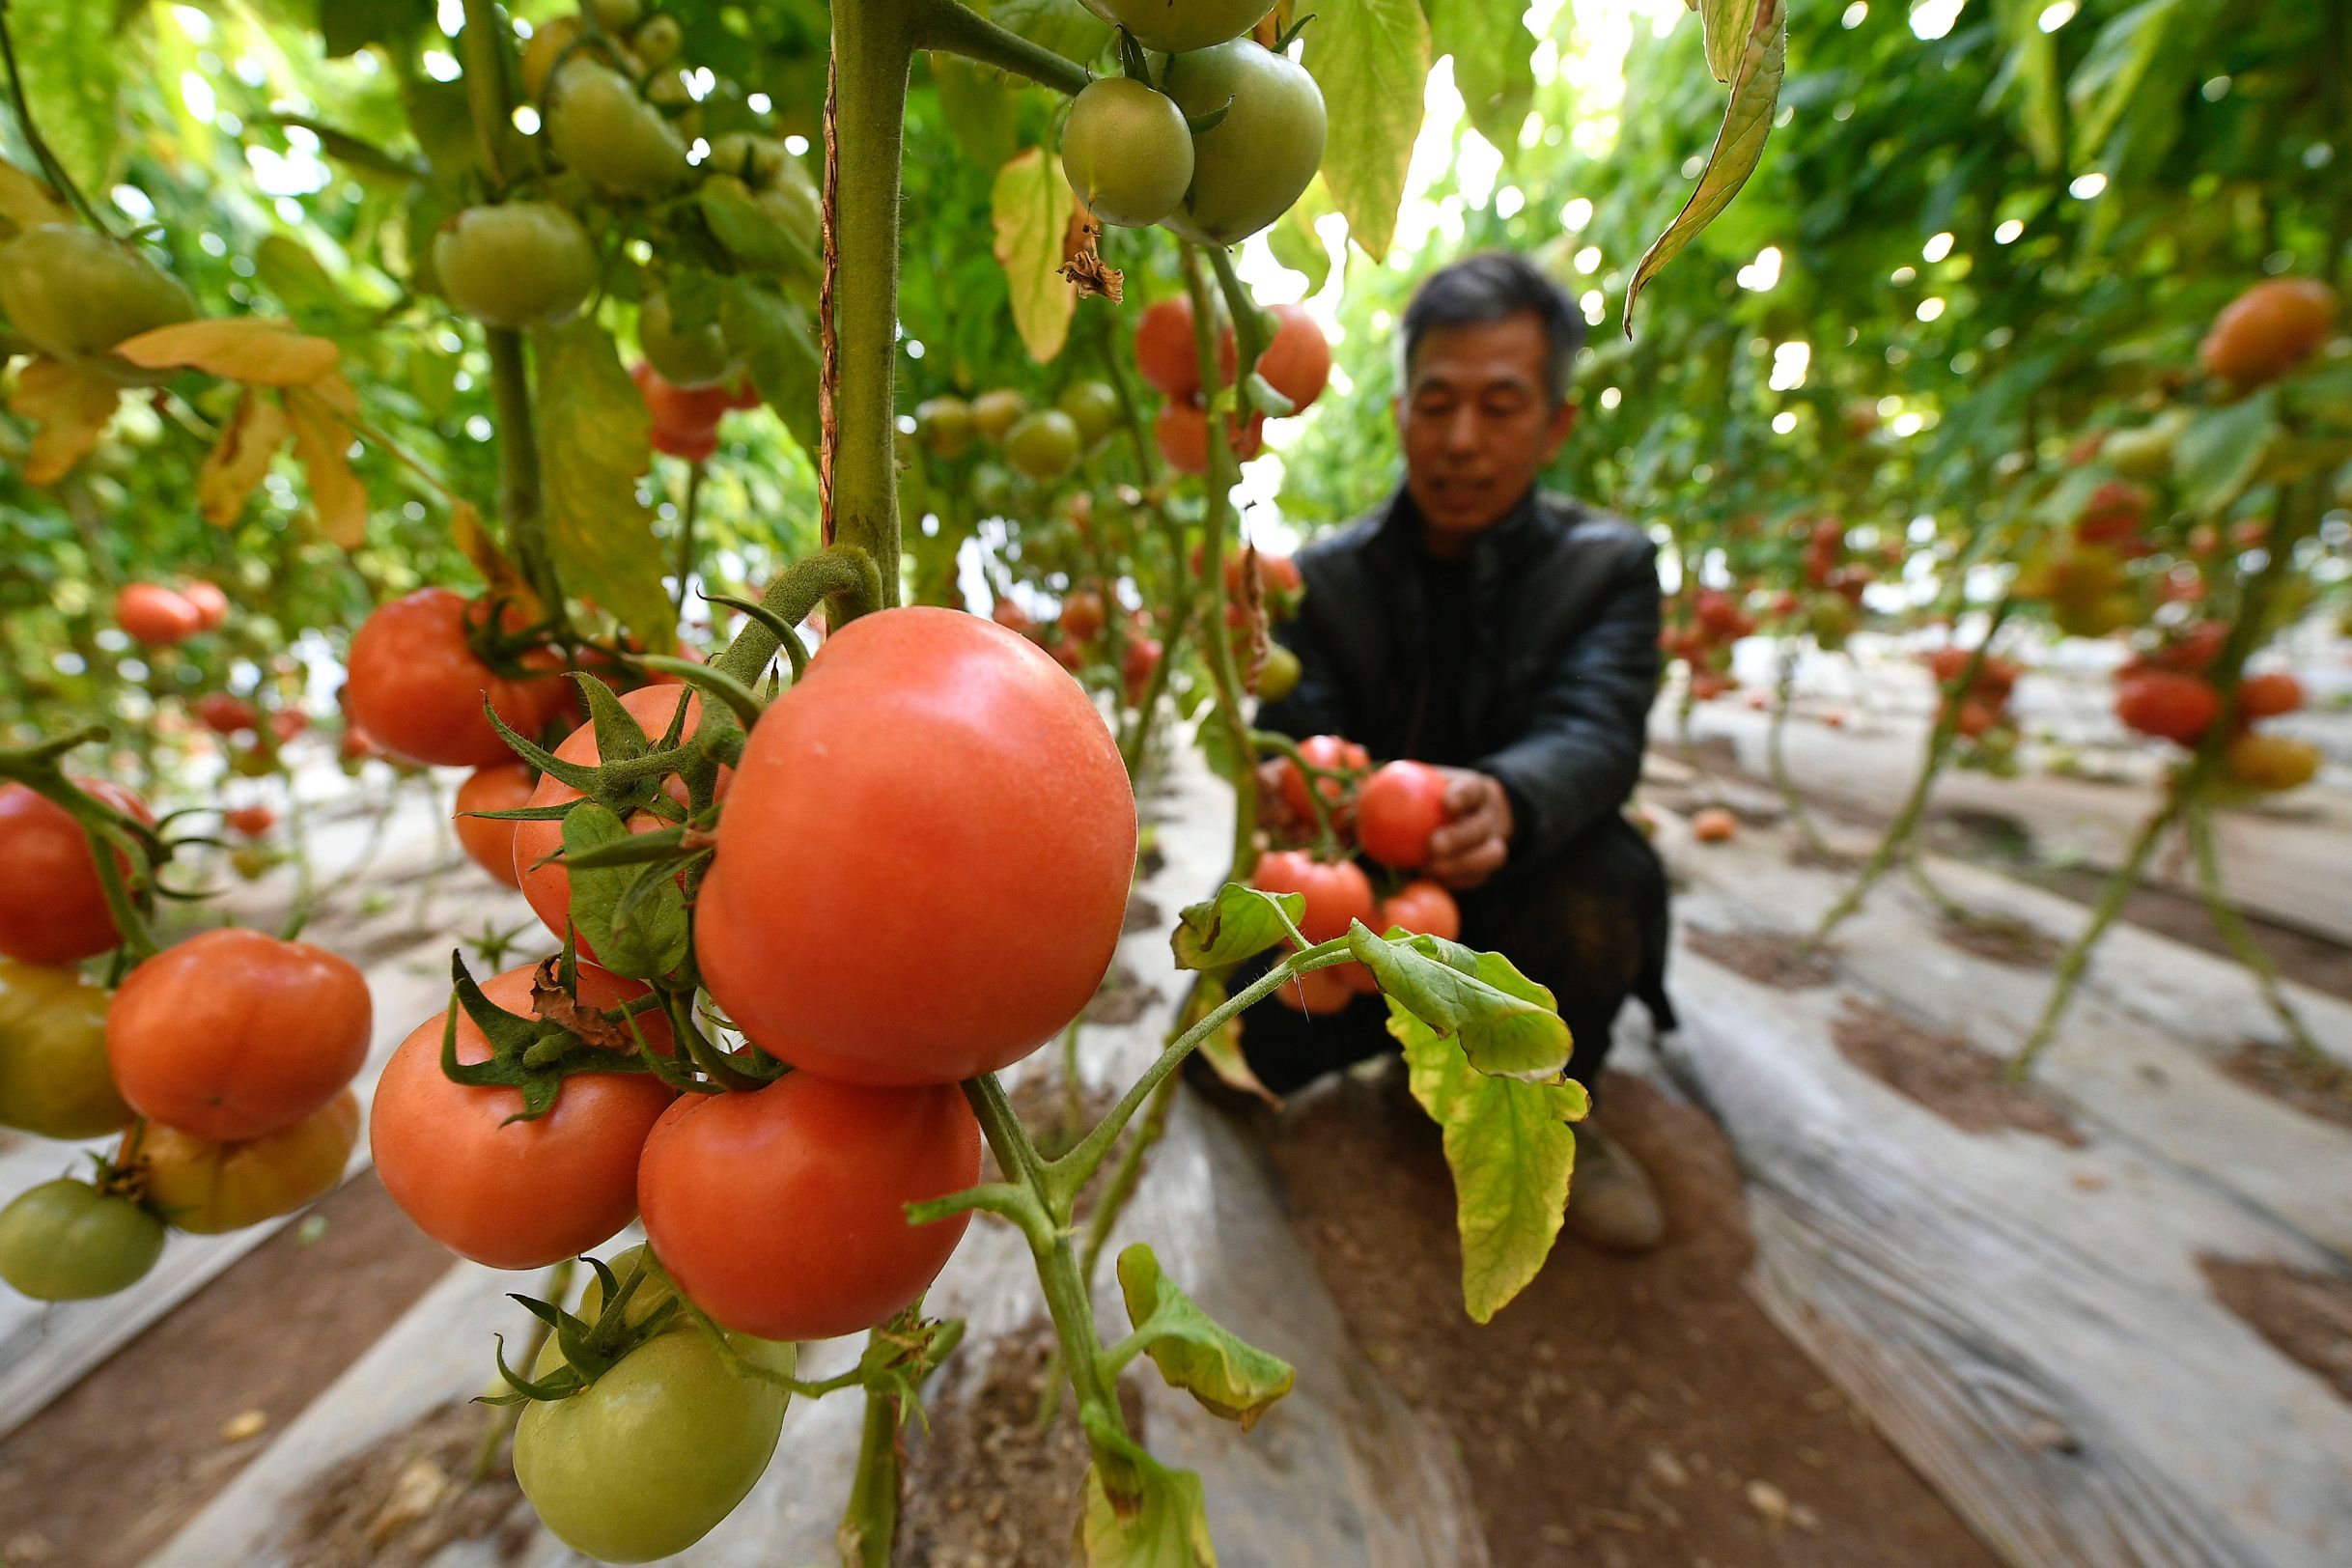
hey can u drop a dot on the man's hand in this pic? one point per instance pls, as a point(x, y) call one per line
point(1476, 838)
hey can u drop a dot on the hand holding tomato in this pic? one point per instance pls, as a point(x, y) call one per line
point(1476, 838)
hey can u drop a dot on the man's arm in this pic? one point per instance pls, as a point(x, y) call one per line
point(1581, 755)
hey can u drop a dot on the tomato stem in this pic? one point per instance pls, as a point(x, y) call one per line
point(946, 24)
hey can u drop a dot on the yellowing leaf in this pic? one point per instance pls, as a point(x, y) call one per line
point(1233, 1380)
point(1167, 1525)
point(25, 203)
point(71, 405)
point(240, 458)
point(502, 578)
point(594, 442)
point(240, 349)
point(1030, 203)
point(1371, 59)
point(322, 445)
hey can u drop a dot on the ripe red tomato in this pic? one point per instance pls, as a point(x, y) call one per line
point(956, 831)
point(1165, 352)
point(234, 1034)
point(56, 910)
point(2269, 330)
point(1137, 663)
point(224, 715)
point(680, 413)
point(504, 786)
point(548, 887)
point(1396, 810)
point(2268, 695)
point(154, 616)
point(2175, 708)
point(1182, 435)
point(1714, 825)
point(515, 1194)
point(1329, 752)
point(1013, 618)
point(1297, 359)
point(1081, 617)
point(782, 1213)
point(251, 822)
point(211, 604)
point(288, 722)
point(417, 688)
point(2114, 515)
point(1420, 906)
point(1337, 891)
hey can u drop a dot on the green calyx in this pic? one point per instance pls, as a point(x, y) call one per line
point(534, 1055)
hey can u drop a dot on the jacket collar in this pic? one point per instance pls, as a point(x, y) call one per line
point(1491, 553)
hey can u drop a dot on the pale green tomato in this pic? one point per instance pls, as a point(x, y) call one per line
point(524, 264)
point(1043, 445)
point(1127, 151)
point(599, 127)
point(54, 1081)
point(72, 291)
point(686, 359)
point(1094, 405)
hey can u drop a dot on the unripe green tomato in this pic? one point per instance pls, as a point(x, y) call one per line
point(523, 264)
point(758, 162)
point(668, 92)
point(995, 411)
point(657, 40)
point(1127, 151)
point(1176, 25)
point(54, 1081)
point(1252, 167)
point(662, 1445)
point(1044, 445)
point(546, 46)
point(2145, 453)
point(614, 15)
point(65, 1240)
point(601, 129)
point(946, 425)
point(72, 291)
point(1279, 676)
point(1094, 405)
point(684, 359)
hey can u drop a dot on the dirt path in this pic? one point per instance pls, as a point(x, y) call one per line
point(1621, 1413)
point(109, 1472)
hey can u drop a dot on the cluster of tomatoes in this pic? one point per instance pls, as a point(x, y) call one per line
point(2165, 694)
point(1296, 363)
point(1703, 639)
point(154, 616)
point(1388, 813)
point(224, 1061)
point(1042, 444)
point(823, 933)
point(685, 416)
point(1214, 136)
point(1982, 714)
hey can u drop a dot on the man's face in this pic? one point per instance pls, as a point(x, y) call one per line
point(1476, 424)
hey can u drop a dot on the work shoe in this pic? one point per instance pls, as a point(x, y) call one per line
point(1612, 1202)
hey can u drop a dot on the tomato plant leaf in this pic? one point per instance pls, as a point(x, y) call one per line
point(1030, 204)
point(1165, 1527)
point(1494, 67)
point(1221, 1046)
point(778, 337)
point(348, 26)
point(501, 578)
point(1231, 1379)
point(1295, 242)
point(1371, 59)
point(633, 916)
point(1739, 147)
point(239, 347)
point(1728, 24)
point(26, 203)
point(1237, 922)
point(250, 440)
point(322, 445)
point(595, 442)
point(71, 404)
point(1511, 1151)
point(73, 65)
point(2221, 450)
point(290, 270)
point(1507, 1022)
point(1067, 27)
point(981, 112)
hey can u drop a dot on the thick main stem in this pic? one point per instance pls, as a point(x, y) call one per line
point(869, 1525)
point(874, 44)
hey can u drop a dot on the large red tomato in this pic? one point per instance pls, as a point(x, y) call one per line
point(1326, 752)
point(1397, 809)
point(224, 715)
point(1337, 891)
point(234, 1034)
point(154, 616)
point(2175, 708)
point(681, 415)
point(417, 688)
point(1297, 359)
point(55, 912)
point(514, 1194)
point(1165, 350)
point(924, 862)
point(2268, 695)
point(782, 1213)
point(548, 887)
point(487, 842)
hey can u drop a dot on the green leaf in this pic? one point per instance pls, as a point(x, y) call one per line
point(2220, 451)
point(1065, 26)
point(595, 444)
point(1507, 1022)
point(633, 916)
point(1494, 67)
point(1755, 91)
point(1298, 246)
point(1371, 59)
point(2032, 68)
point(72, 61)
point(2103, 84)
point(1166, 1528)
point(776, 334)
point(290, 270)
point(1232, 1379)
point(349, 26)
point(1030, 204)
point(981, 112)
point(1236, 924)
point(1728, 24)
point(1221, 1046)
point(1511, 1151)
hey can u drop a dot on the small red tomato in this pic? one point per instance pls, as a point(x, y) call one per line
point(1325, 751)
point(56, 908)
point(1396, 811)
point(211, 603)
point(2268, 695)
point(489, 842)
point(1165, 350)
point(154, 616)
point(224, 715)
point(2174, 707)
point(1337, 892)
point(252, 822)
point(417, 688)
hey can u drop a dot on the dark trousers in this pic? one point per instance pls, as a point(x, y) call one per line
point(1588, 923)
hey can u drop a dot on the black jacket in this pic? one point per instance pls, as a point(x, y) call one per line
point(1554, 688)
